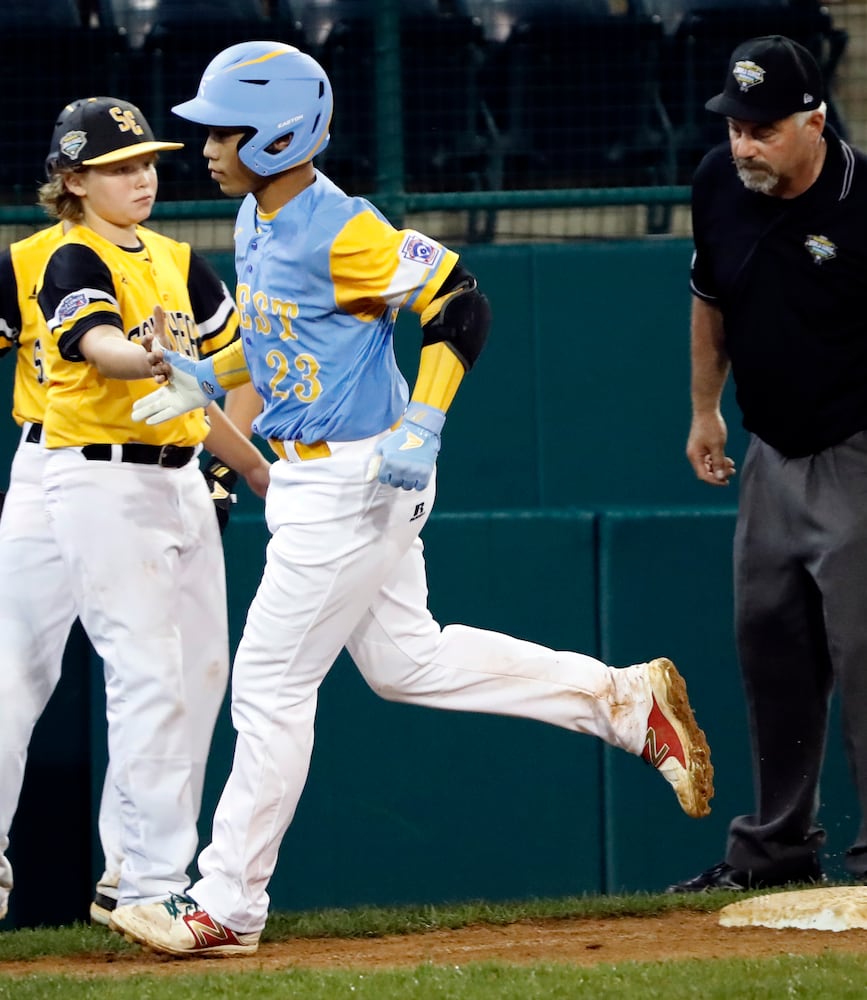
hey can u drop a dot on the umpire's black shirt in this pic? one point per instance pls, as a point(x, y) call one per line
point(790, 276)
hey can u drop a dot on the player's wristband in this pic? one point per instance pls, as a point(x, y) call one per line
point(425, 416)
point(208, 381)
point(202, 371)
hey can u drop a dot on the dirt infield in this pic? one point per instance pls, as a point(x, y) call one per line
point(677, 935)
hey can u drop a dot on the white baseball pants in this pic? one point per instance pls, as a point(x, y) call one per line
point(345, 567)
point(142, 553)
point(36, 614)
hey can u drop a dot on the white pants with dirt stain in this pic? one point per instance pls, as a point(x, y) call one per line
point(142, 554)
point(37, 612)
point(345, 567)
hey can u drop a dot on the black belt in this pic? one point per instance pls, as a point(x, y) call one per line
point(170, 456)
point(34, 434)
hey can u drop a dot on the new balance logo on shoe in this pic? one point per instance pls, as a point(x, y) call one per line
point(652, 754)
point(208, 932)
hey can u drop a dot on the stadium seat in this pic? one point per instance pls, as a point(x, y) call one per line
point(495, 16)
point(73, 61)
point(701, 37)
point(183, 37)
point(57, 14)
point(447, 137)
point(498, 17)
point(575, 93)
point(132, 20)
point(318, 17)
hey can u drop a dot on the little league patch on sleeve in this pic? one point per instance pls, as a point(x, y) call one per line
point(419, 250)
point(70, 306)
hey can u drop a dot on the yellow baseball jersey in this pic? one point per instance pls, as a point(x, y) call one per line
point(88, 282)
point(21, 322)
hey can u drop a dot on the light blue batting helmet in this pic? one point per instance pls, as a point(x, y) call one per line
point(273, 90)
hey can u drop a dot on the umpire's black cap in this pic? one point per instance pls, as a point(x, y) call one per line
point(769, 78)
point(98, 130)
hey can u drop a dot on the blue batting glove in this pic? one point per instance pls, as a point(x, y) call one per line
point(406, 457)
point(202, 371)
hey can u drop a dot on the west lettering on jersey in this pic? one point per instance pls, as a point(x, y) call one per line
point(264, 308)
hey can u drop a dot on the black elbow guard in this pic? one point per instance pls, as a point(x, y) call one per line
point(460, 316)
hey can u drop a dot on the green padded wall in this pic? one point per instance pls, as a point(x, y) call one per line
point(581, 396)
point(406, 804)
point(665, 585)
point(580, 401)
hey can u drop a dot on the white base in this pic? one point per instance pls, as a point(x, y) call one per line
point(826, 909)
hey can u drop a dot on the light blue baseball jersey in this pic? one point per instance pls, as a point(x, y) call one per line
point(319, 286)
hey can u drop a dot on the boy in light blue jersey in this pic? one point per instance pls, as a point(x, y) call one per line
point(335, 380)
point(321, 277)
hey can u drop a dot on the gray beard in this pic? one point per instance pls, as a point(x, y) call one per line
point(760, 181)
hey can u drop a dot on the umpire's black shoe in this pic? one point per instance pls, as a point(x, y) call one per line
point(725, 876)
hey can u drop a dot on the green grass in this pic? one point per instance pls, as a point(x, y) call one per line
point(831, 976)
point(371, 922)
point(376, 921)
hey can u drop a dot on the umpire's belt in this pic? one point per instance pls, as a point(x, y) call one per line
point(170, 456)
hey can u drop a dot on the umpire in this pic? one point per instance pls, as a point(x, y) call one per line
point(778, 297)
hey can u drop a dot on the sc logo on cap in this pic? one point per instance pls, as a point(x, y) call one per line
point(126, 120)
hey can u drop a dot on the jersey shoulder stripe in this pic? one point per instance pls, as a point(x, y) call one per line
point(214, 308)
point(376, 267)
point(78, 292)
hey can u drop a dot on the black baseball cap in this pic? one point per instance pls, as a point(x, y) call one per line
point(97, 130)
point(769, 78)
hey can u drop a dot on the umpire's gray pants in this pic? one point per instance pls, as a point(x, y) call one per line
point(800, 564)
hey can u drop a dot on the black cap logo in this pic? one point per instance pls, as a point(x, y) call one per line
point(747, 74)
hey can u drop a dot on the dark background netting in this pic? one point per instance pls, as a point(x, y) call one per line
point(490, 95)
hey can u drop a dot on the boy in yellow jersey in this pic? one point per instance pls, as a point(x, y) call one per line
point(129, 513)
point(36, 605)
point(321, 276)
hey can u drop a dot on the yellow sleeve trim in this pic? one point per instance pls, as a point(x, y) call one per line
point(230, 366)
point(446, 266)
point(440, 372)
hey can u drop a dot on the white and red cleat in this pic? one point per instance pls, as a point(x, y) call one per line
point(178, 926)
point(674, 744)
